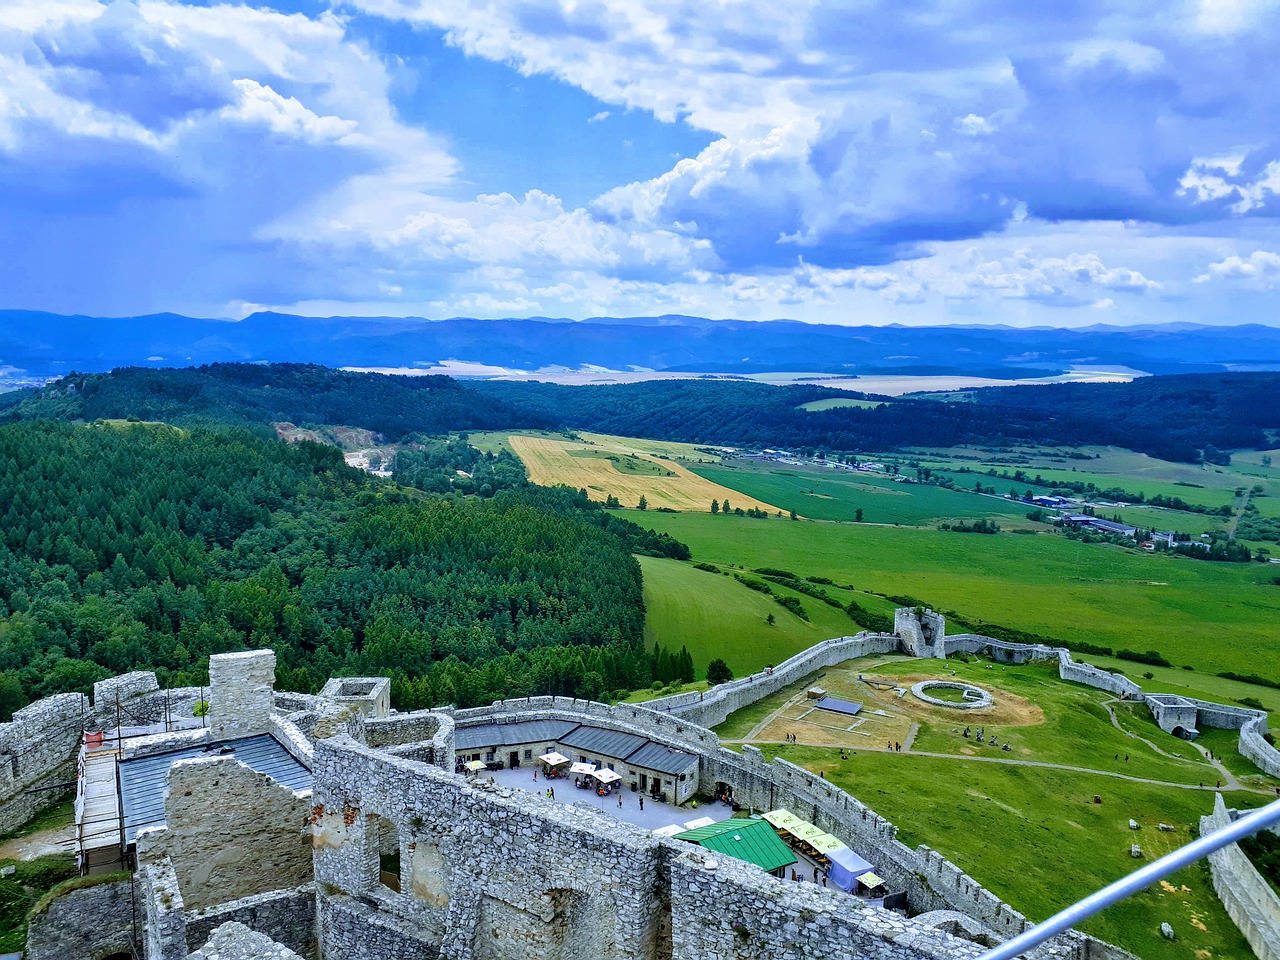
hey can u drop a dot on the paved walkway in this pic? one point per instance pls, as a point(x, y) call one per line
point(654, 815)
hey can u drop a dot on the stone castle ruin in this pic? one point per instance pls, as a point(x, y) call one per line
point(293, 826)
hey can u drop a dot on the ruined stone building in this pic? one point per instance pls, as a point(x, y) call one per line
point(285, 825)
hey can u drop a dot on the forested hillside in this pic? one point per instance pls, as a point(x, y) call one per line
point(152, 547)
point(1169, 417)
point(1178, 418)
point(262, 393)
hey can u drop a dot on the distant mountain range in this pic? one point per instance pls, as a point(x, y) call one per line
point(43, 344)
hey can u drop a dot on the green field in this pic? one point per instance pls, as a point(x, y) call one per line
point(1032, 834)
point(716, 616)
point(1212, 616)
point(837, 402)
point(1035, 838)
point(823, 493)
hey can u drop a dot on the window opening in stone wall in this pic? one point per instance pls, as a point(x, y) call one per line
point(386, 840)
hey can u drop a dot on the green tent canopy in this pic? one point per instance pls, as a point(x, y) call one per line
point(752, 841)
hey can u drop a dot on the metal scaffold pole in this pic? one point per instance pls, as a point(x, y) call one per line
point(1247, 825)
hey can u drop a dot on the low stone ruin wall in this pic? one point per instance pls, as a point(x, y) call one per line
point(712, 707)
point(38, 748)
point(85, 924)
point(1253, 744)
point(1249, 899)
point(499, 874)
point(287, 917)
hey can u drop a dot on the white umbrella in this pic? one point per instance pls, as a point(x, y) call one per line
point(553, 759)
point(670, 831)
point(606, 776)
point(582, 767)
point(700, 822)
point(474, 765)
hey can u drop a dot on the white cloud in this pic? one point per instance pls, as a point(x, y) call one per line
point(1220, 178)
point(598, 117)
point(1262, 267)
point(972, 125)
point(285, 116)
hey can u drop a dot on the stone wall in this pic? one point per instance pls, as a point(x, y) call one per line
point(230, 832)
point(290, 736)
point(370, 695)
point(1249, 899)
point(487, 873)
point(235, 941)
point(922, 631)
point(240, 693)
point(478, 865)
point(106, 693)
point(38, 748)
point(1174, 714)
point(712, 707)
point(165, 923)
point(286, 917)
point(1253, 744)
point(85, 924)
point(424, 735)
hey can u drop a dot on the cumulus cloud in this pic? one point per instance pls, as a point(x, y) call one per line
point(860, 134)
point(859, 160)
point(1211, 179)
point(1259, 267)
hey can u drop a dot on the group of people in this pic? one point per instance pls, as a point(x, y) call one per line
point(819, 876)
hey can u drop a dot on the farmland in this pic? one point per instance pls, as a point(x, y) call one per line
point(618, 467)
point(828, 494)
point(1215, 617)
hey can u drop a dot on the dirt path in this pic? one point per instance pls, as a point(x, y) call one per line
point(39, 844)
point(1239, 512)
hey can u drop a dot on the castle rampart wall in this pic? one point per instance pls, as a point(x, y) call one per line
point(712, 707)
point(87, 924)
point(1249, 899)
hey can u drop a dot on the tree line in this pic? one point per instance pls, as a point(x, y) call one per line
point(131, 546)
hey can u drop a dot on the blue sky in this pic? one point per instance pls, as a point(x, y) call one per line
point(865, 162)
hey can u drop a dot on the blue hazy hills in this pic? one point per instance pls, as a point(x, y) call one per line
point(44, 344)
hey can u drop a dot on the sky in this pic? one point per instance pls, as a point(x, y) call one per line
point(909, 162)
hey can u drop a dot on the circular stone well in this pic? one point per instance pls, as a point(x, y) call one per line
point(976, 698)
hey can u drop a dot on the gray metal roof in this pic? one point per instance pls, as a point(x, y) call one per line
point(142, 780)
point(510, 734)
point(605, 743)
point(655, 756)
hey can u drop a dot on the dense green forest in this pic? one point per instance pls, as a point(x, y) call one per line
point(1175, 418)
point(1183, 417)
point(138, 546)
point(267, 393)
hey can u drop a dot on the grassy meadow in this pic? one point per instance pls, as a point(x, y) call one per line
point(1035, 838)
point(716, 616)
point(1033, 835)
point(1212, 616)
point(824, 493)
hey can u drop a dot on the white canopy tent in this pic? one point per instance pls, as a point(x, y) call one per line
point(583, 767)
point(553, 759)
point(606, 776)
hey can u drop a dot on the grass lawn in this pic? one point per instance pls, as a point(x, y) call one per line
point(1077, 731)
point(716, 616)
point(824, 493)
point(1212, 616)
point(1035, 838)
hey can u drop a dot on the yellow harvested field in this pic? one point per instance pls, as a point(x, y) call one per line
point(615, 466)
